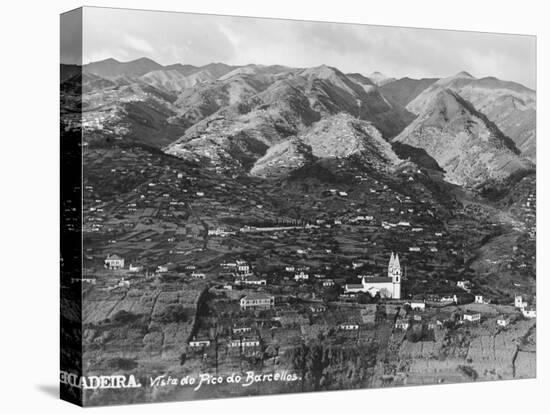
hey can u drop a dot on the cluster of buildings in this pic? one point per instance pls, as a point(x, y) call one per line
point(387, 287)
point(526, 310)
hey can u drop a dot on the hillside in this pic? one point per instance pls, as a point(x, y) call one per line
point(342, 136)
point(469, 147)
point(282, 158)
point(476, 130)
point(247, 111)
point(379, 78)
point(511, 106)
point(112, 68)
point(404, 90)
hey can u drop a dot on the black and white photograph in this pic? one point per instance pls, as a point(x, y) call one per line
point(275, 207)
point(270, 206)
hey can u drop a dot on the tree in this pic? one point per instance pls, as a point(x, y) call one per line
point(331, 294)
point(123, 316)
point(364, 298)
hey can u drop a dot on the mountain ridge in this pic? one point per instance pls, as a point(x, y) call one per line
point(465, 143)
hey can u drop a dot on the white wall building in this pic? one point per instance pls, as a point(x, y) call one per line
point(257, 301)
point(472, 316)
point(114, 261)
point(417, 305)
point(389, 287)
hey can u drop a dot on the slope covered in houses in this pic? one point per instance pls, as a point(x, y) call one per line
point(266, 218)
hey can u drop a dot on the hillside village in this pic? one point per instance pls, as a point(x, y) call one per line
point(193, 261)
point(294, 292)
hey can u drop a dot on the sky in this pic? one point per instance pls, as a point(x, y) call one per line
point(397, 52)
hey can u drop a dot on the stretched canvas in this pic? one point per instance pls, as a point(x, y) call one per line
point(255, 206)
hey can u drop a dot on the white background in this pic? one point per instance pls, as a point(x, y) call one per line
point(29, 191)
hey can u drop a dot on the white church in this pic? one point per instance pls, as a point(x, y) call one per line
point(388, 287)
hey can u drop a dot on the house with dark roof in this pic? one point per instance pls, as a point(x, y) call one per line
point(114, 261)
point(257, 301)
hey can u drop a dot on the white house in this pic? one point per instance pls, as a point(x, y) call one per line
point(518, 302)
point(463, 284)
point(472, 316)
point(114, 261)
point(135, 268)
point(503, 321)
point(328, 283)
point(244, 342)
point(301, 276)
point(197, 275)
point(478, 299)
point(349, 327)
point(449, 299)
point(417, 305)
point(402, 324)
point(243, 267)
point(123, 283)
point(257, 301)
point(529, 312)
point(241, 329)
point(199, 343)
point(251, 281)
point(317, 308)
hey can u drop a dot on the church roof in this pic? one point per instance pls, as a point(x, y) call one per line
point(378, 280)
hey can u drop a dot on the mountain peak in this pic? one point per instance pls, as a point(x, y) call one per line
point(321, 71)
point(112, 68)
point(464, 74)
point(379, 78)
point(143, 59)
point(464, 142)
point(342, 135)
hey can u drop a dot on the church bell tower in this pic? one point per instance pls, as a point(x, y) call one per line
point(394, 272)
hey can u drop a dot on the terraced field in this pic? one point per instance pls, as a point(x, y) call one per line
point(140, 331)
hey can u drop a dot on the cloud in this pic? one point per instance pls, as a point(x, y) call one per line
point(399, 52)
point(137, 44)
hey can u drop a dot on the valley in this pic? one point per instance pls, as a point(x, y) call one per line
point(208, 187)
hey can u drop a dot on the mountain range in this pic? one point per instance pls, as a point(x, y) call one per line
point(269, 120)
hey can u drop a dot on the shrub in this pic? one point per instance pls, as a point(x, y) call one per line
point(123, 316)
point(173, 314)
point(468, 371)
